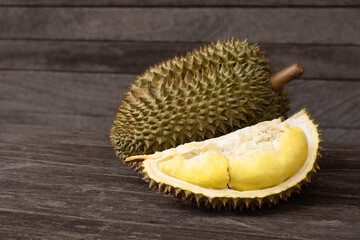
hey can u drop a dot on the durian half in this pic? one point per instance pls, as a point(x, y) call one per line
point(249, 167)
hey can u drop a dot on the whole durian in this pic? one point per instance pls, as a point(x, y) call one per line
point(209, 92)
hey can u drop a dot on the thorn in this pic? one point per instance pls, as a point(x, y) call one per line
point(152, 183)
point(198, 197)
point(161, 186)
point(177, 191)
point(224, 201)
point(188, 194)
point(247, 202)
point(145, 177)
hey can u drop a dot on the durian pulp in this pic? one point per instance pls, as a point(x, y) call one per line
point(261, 160)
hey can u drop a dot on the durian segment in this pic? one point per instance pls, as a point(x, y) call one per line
point(208, 170)
point(246, 139)
point(219, 88)
point(271, 163)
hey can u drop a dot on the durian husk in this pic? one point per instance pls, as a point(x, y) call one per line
point(209, 92)
point(254, 199)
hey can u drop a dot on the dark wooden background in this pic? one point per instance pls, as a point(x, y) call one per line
point(65, 66)
point(68, 63)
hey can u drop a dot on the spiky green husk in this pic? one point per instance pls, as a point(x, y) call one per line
point(212, 91)
point(228, 203)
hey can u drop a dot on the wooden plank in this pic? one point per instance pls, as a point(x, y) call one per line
point(78, 100)
point(95, 95)
point(69, 190)
point(178, 3)
point(41, 134)
point(331, 103)
point(22, 225)
point(319, 61)
point(70, 120)
point(270, 25)
point(340, 135)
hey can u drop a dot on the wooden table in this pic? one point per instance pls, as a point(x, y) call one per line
point(65, 65)
point(58, 183)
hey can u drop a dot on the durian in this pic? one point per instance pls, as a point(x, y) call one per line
point(210, 92)
point(256, 165)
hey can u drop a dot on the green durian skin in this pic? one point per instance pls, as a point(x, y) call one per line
point(207, 93)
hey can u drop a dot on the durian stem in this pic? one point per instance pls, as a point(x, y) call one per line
point(278, 80)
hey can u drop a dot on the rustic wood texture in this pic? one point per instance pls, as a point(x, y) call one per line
point(180, 3)
point(61, 183)
point(80, 100)
point(319, 61)
point(65, 66)
point(268, 25)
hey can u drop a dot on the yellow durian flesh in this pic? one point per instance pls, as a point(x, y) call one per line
point(263, 160)
point(271, 163)
point(209, 170)
point(259, 168)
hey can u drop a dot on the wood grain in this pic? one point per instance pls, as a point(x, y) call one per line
point(319, 61)
point(62, 93)
point(40, 135)
point(268, 25)
point(178, 3)
point(79, 100)
point(330, 103)
point(67, 64)
point(340, 135)
point(70, 190)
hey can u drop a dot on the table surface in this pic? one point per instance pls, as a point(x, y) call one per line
point(59, 183)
